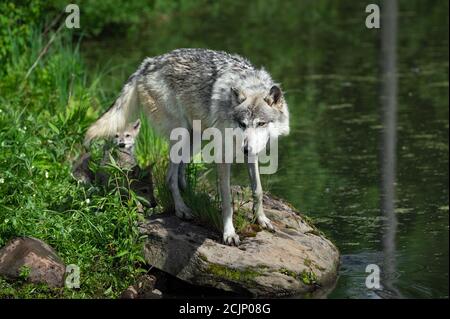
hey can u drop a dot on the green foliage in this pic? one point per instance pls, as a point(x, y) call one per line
point(153, 151)
point(24, 272)
point(232, 274)
point(16, 21)
point(205, 207)
point(308, 277)
point(42, 120)
point(150, 147)
point(23, 290)
point(123, 16)
point(98, 16)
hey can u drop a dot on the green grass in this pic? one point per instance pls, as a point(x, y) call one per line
point(43, 118)
point(42, 121)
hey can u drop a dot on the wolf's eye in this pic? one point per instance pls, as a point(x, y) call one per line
point(116, 136)
point(242, 125)
point(261, 124)
point(127, 135)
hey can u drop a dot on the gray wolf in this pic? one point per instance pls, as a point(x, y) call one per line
point(219, 89)
point(122, 151)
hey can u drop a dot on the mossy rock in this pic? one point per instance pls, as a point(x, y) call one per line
point(294, 260)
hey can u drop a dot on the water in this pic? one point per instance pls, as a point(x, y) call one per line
point(328, 64)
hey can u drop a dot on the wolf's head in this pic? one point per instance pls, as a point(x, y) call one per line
point(125, 140)
point(260, 114)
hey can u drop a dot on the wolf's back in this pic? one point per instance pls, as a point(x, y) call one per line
point(186, 74)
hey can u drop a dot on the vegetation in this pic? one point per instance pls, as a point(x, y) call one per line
point(42, 120)
point(307, 277)
point(44, 112)
point(241, 275)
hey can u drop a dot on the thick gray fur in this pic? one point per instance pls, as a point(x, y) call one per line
point(221, 90)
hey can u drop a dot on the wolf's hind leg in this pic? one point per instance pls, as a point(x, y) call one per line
point(182, 178)
point(181, 210)
point(258, 211)
point(182, 183)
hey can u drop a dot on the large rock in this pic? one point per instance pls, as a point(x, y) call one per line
point(31, 256)
point(296, 259)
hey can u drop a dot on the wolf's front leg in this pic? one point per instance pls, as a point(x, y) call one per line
point(181, 210)
point(229, 234)
point(258, 210)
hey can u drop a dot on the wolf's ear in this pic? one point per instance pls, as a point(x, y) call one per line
point(137, 125)
point(275, 96)
point(237, 96)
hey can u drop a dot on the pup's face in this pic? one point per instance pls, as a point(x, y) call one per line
point(259, 116)
point(125, 140)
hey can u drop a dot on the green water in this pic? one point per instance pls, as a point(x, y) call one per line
point(328, 64)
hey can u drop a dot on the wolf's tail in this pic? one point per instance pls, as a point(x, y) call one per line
point(118, 115)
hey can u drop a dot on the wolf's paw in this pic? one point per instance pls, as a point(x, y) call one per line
point(231, 239)
point(183, 212)
point(265, 223)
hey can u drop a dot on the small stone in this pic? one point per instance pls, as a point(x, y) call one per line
point(129, 293)
point(143, 289)
point(157, 292)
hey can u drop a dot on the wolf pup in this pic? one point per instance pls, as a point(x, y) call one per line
point(122, 151)
point(219, 89)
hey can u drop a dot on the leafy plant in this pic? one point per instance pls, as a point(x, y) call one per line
point(42, 120)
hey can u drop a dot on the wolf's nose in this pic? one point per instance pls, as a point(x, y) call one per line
point(121, 145)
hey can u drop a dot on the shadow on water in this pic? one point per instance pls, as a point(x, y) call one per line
point(329, 167)
point(172, 287)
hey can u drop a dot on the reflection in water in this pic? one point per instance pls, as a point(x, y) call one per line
point(389, 139)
